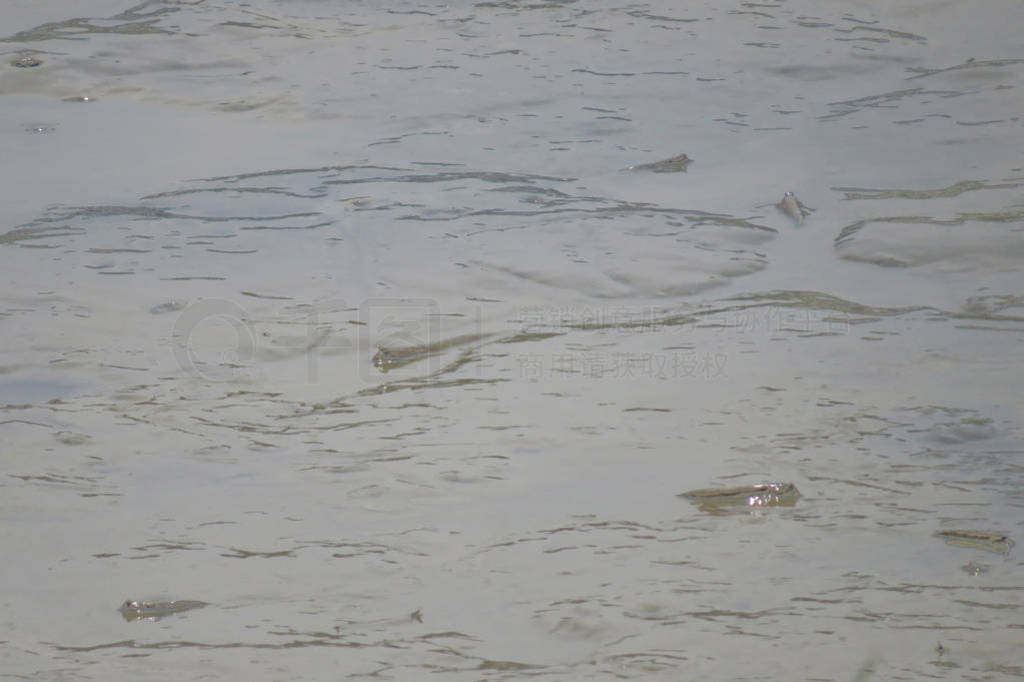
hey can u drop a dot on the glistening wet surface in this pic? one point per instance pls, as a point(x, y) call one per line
point(390, 335)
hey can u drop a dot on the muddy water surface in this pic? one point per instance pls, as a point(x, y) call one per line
point(216, 215)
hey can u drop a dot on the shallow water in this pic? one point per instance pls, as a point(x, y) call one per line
point(201, 259)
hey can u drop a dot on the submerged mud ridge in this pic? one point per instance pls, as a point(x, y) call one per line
point(482, 231)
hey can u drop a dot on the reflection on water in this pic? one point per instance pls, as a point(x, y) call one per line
point(399, 357)
point(36, 390)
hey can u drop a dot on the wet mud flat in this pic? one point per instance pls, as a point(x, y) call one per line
point(382, 341)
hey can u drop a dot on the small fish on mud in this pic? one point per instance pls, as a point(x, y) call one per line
point(673, 164)
point(171, 306)
point(26, 62)
point(155, 610)
point(722, 500)
point(794, 208)
point(393, 357)
point(975, 569)
point(977, 539)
